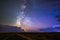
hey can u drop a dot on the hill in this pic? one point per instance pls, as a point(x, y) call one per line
point(7, 28)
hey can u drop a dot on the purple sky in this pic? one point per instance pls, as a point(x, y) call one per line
point(42, 14)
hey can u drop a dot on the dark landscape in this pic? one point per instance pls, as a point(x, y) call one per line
point(29, 36)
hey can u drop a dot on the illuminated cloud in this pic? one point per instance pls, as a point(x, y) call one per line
point(56, 26)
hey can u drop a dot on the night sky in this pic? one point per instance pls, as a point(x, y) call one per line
point(41, 13)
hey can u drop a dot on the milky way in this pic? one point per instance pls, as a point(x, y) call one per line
point(30, 14)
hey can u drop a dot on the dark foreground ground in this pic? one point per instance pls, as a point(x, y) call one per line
point(29, 36)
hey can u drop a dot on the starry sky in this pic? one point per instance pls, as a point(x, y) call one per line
point(40, 14)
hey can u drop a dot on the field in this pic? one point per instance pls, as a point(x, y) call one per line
point(29, 36)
